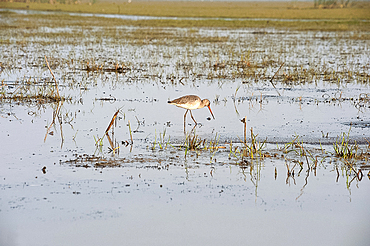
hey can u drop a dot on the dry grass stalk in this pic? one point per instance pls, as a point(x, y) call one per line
point(129, 128)
point(244, 121)
point(56, 83)
point(112, 121)
point(274, 76)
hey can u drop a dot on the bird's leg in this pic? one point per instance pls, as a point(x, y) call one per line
point(193, 118)
point(185, 118)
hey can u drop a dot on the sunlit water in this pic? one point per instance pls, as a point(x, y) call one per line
point(161, 197)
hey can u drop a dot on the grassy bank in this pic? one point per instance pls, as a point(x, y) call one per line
point(35, 21)
point(276, 10)
point(336, 19)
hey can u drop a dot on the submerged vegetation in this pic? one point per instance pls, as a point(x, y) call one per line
point(300, 159)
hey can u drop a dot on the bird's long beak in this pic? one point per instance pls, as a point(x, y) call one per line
point(211, 112)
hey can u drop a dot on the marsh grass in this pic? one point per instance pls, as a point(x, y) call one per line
point(295, 151)
point(247, 65)
point(312, 157)
point(191, 143)
point(254, 150)
point(102, 68)
point(162, 142)
point(343, 148)
point(30, 92)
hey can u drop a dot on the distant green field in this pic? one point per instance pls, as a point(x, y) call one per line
point(327, 18)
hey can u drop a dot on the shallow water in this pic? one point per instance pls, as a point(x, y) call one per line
point(161, 197)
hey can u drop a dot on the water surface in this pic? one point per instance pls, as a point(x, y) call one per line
point(55, 191)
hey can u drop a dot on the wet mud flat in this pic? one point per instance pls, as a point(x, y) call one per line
point(298, 168)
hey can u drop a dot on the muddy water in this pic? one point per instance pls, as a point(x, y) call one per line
point(59, 188)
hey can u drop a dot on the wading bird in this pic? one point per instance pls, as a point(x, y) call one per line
point(191, 102)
